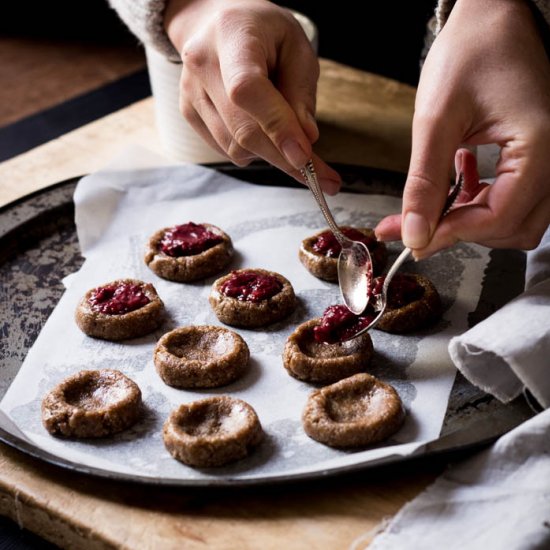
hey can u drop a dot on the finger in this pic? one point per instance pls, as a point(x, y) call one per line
point(328, 178)
point(435, 141)
point(241, 136)
point(389, 228)
point(466, 163)
point(207, 122)
point(477, 222)
point(245, 77)
point(297, 81)
point(530, 233)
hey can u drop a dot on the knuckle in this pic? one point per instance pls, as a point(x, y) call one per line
point(237, 154)
point(242, 87)
point(187, 111)
point(193, 56)
point(246, 135)
point(529, 241)
point(276, 126)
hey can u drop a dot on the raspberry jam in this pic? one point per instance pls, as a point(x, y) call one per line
point(118, 299)
point(188, 239)
point(339, 324)
point(251, 286)
point(403, 290)
point(327, 245)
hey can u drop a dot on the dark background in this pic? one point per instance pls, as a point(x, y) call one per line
point(385, 38)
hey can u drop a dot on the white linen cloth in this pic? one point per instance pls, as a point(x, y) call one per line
point(499, 498)
point(511, 349)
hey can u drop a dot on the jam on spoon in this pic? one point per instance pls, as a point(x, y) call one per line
point(188, 239)
point(251, 286)
point(118, 299)
point(327, 244)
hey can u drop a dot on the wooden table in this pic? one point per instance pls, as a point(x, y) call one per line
point(364, 119)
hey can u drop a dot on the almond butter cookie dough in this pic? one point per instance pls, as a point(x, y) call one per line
point(307, 359)
point(354, 412)
point(188, 252)
point(319, 253)
point(212, 431)
point(121, 309)
point(92, 403)
point(201, 357)
point(252, 298)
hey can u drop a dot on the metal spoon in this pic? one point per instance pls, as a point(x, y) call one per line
point(354, 261)
point(382, 298)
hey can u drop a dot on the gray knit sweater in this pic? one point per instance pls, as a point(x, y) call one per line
point(145, 19)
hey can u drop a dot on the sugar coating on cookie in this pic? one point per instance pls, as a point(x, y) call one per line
point(354, 412)
point(212, 432)
point(120, 309)
point(307, 359)
point(92, 403)
point(252, 298)
point(189, 252)
point(201, 357)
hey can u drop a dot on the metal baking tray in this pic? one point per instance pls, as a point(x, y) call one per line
point(39, 247)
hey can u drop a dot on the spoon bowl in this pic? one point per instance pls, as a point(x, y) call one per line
point(355, 275)
point(354, 261)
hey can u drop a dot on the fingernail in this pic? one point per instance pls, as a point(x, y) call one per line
point(382, 237)
point(416, 231)
point(458, 161)
point(313, 124)
point(294, 153)
point(331, 187)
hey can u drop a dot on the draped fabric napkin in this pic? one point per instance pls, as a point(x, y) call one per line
point(500, 498)
point(510, 350)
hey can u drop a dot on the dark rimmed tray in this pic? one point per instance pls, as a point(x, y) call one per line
point(38, 247)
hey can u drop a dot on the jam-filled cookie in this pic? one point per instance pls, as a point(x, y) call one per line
point(308, 359)
point(319, 253)
point(201, 357)
point(354, 412)
point(212, 431)
point(121, 309)
point(189, 252)
point(92, 403)
point(339, 324)
point(413, 303)
point(252, 298)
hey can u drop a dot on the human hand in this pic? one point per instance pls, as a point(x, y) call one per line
point(486, 80)
point(248, 84)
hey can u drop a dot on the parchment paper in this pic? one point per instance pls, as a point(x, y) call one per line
point(118, 208)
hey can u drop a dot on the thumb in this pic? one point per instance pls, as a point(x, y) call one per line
point(434, 143)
